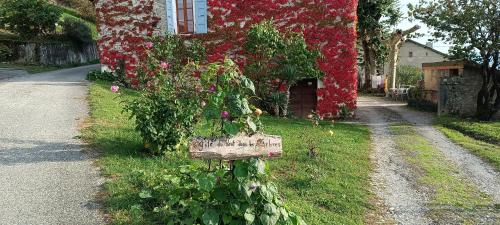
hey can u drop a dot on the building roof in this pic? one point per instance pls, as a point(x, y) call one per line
point(427, 47)
point(453, 64)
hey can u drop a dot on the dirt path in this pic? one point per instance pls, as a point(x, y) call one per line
point(44, 176)
point(394, 180)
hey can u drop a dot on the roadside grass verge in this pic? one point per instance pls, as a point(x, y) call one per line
point(484, 131)
point(487, 151)
point(331, 188)
point(449, 191)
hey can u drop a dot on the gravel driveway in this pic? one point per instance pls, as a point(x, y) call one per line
point(394, 182)
point(44, 176)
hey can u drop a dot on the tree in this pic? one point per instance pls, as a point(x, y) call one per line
point(394, 44)
point(473, 26)
point(374, 18)
point(29, 18)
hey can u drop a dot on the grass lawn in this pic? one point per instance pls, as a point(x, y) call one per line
point(332, 188)
point(484, 131)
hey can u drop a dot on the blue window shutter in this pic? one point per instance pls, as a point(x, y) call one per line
point(201, 17)
point(171, 16)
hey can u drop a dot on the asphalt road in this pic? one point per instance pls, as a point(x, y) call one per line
point(45, 178)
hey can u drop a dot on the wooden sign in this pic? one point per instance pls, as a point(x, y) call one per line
point(238, 147)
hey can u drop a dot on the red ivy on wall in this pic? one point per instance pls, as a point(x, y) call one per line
point(327, 24)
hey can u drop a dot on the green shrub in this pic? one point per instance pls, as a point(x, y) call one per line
point(5, 52)
point(409, 75)
point(77, 31)
point(96, 75)
point(167, 111)
point(278, 60)
point(29, 18)
point(196, 196)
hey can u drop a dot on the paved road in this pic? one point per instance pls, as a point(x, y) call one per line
point(9, 73)
point(44, 176)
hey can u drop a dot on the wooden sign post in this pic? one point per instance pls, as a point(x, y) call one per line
point(235, 148)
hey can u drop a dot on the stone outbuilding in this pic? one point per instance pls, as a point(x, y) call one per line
point(330, 25)
point(453, 86)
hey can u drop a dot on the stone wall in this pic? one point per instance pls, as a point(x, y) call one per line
point(52, 53)
point(458, 94)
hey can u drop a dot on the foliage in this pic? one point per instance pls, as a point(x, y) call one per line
point(5, 52)
point(194, 196)
point(344, 112)
point(98, 75)
point(375, 17)
point(167, 111)
point(77, 31)
point(278, 61)
point(227, 100)
point(78, 8)
point(409, 75)
point(472, 26)
point(29, 18)
point(171, 50)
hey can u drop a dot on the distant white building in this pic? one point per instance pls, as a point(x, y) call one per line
point(415, 54)
point(411, 53)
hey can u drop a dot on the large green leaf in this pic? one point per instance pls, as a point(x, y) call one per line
point(211, 217)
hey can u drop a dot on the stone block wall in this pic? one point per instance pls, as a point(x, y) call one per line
point(51, 53)
point(458, 94)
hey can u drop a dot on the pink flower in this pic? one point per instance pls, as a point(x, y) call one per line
point(149, 45)
point(224, 115)
point(164, 65)
point(115, 89)
point(212, 89)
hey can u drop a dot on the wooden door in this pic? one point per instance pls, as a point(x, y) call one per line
point(303, 98)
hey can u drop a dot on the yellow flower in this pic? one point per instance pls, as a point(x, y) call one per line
point(331, 132)
point(147, 145)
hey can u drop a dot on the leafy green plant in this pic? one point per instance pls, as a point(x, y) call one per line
point(95, 75)
point(345, 112)
point(5, 52)
point(409, 75)
point(29, 18)
point(77, 31)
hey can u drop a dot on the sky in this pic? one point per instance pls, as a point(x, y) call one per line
point(405, 24)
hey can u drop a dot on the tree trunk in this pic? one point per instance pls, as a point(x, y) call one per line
point(369, 64)
point(394, 43)
point(488, 100)
point(287, 102)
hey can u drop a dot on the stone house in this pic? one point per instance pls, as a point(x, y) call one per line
point(453, 86)
point(124, 26)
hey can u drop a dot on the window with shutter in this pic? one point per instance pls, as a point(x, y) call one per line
point(187, 16)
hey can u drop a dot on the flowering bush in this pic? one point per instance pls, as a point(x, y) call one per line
point(168, 109)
